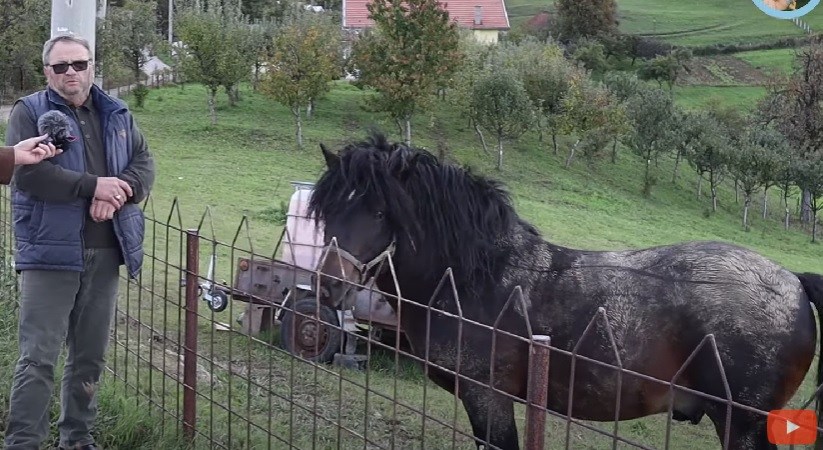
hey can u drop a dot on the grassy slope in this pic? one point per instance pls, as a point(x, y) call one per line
point(242, 167)
point(697, 22)
point(778, 60)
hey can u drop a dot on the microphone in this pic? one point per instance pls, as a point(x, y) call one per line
point(56, 124)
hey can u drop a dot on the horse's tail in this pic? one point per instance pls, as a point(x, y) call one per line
point(813, 285)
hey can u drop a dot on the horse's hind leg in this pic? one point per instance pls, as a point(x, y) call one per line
point(492, 415)
point(747, 430)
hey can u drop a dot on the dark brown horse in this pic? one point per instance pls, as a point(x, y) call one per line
point(379, 200)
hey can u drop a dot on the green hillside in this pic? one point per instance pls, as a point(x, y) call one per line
point(243, 165)
point(697, 22)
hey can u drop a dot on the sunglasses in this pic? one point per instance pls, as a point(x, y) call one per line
point(78, 66)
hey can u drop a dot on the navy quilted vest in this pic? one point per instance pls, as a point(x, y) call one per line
point(49, 235)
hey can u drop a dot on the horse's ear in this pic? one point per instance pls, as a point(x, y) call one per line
point(331, 158)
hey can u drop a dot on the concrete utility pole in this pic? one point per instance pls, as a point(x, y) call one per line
point(77, 17)
point(171, 21)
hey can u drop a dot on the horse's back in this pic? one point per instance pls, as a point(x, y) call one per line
point(663, 301)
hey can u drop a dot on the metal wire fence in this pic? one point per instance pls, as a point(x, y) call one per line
point(232, 349)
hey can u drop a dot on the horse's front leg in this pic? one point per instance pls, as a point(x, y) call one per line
point(492, 418)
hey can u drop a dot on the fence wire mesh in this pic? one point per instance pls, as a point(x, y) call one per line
point(232, 349)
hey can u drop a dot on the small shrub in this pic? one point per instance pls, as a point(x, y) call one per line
point(140, 93)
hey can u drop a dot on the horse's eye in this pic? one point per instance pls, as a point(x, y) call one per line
point(379, 215)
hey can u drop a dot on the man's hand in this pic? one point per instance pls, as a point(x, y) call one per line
point(101, 211)
point(32, 151)
point(112, 190)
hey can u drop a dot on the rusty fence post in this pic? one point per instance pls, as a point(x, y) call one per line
point(190, 344)
point(538, 392)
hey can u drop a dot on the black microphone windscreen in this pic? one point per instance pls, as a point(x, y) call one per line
point(56, 124)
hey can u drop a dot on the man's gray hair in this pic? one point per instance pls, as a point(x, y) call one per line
point(63, 38)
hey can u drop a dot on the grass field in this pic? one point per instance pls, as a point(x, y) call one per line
point(779, 60)
point(242, 167)
point(698, 22)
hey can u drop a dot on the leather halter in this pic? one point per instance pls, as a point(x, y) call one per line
point(363, 268)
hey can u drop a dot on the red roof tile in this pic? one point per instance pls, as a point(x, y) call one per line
point(493, 14)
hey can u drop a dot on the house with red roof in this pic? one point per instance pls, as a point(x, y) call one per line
point(485, 18)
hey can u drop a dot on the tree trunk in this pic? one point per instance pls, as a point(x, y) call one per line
point(310, 109)
point(786, 205)
point(647, 184)
point(482, 139)
point(500, 151)
point(746, 202)
point(614, 151)
point(805, 207)
point(298, 122)
point(554, 141)
point(765, 200)
point(230, 95)
point(736, 192)
point(571, 154)
point(212, 111)
point(539, 131)
point(676, 164)
point(714, 196)
point(699, 185)
point(407, 136)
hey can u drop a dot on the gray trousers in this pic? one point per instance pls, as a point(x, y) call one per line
point(62, 306)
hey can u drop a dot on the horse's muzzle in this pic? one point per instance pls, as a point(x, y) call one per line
point(332, 292)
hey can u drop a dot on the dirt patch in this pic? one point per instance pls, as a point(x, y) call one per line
point(722, 70)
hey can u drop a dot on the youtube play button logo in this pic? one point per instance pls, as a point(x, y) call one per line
point(792, 427)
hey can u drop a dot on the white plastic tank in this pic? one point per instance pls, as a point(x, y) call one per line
point(303, 243)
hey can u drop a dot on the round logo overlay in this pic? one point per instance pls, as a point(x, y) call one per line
point(786, 9)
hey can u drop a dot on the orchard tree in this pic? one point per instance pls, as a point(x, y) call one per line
point(413, 48)
point(202, 33)
point(24, 26)
point(795, 107)
point(127, 32)
point(710, 154)
point(784, 177)
point(218, 51)
point(624, 86)
point(240, 53)
point(809, 177)
point(502, 107)
point(304, 61)
point(586, 18)
point(752, 162)
point(686, 134)
point(545, 73)
point(476, 56)
point(650, 114)
point(594, 114)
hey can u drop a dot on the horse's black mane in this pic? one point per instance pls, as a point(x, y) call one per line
point(454, 218)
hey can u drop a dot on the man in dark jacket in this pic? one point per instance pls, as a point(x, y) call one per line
point(76, 221)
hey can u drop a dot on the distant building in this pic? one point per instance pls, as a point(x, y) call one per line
point(485, 18)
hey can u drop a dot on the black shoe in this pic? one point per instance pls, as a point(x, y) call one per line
point(85, 447)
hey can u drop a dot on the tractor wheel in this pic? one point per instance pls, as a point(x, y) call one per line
point(303, 335)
